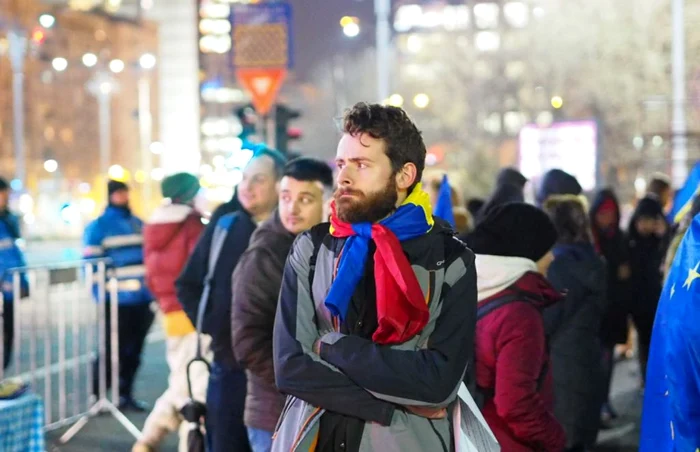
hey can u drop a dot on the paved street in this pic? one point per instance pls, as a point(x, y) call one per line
point(105, 433)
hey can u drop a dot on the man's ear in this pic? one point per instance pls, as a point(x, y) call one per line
point(406, 176)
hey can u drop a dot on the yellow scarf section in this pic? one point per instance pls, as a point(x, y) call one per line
point(420, 198)
point(177, 323)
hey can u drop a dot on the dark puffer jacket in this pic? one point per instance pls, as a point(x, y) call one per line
point(256, 285)
point(573, 328)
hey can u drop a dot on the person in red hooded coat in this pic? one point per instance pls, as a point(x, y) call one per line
point(513, 246)
point(169, 238)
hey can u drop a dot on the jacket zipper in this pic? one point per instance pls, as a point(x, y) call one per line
point(303, 429)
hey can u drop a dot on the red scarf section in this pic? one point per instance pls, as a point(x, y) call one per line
point(402, 311)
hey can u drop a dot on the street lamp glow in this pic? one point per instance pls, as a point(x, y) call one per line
point(347, 20)
point(396, 100)
point(47, 20)
point(89, 59)
point(421, 100)
point(59, 64)
point(116, 172)
point(157, 147)
point(147, 61)
point(557, 102)
point(351, 30)
point(51, 166)
point(116, 66)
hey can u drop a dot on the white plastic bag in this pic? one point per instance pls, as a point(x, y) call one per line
point(472, 433)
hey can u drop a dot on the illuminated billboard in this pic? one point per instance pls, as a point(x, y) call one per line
point(569, 146)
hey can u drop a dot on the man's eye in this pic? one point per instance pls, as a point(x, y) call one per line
point(362, 165)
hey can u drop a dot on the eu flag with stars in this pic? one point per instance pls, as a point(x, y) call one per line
point(671, 415)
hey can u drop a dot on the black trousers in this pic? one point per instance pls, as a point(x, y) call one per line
point(134, 323)
point(8, 332)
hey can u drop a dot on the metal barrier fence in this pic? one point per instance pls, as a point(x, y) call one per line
point(60, 341)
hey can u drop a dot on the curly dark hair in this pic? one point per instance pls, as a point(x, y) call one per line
point(404, 143)
point(570, 218)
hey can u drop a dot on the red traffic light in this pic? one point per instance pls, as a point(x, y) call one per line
point(294, 133)
point(38, 36)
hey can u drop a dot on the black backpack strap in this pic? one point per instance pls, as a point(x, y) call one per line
point(317, 233)
point(487, 308)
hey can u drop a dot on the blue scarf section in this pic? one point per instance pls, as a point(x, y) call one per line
point(409, 221)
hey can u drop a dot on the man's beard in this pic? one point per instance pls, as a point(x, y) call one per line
point(366, 208)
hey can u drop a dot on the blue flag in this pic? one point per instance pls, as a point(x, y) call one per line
point(684, 196)
point(443, 207)
point(671, 415)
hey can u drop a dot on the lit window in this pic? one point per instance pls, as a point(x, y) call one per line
point(516, 14)
point(515, 69)
point(487, 41)
point(486, 15)
point(214, 26)
point(407, 17)
point(513, 121)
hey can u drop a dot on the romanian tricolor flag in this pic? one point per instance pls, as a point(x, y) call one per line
point(401, 306)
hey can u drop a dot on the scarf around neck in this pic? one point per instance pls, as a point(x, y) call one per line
point(402, 309)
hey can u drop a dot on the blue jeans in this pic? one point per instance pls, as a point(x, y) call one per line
point(225, 402)
point(260, 440)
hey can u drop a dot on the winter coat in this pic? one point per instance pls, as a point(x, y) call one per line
point(10, 254)
point(117, 235)
point(557, 182)
point(169, 238)
point(512, 363)
point(613, 247)
point(573, 329)
point(646, 260)
point(256, 287)
point(355, 388)
point(190, 284)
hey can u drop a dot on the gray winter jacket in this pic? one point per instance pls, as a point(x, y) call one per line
point(354, 376)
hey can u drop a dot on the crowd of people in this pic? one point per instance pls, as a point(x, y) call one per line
point(340, 314)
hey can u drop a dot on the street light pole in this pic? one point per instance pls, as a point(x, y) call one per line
point(382, 9)
point(102, 86)
point(679, 127)
point(18, 50)
point(146, 136)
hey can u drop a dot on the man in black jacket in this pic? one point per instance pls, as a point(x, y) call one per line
point(306, 185)
point(257, 194)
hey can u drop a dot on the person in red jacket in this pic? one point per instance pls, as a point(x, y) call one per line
point(513, 246)
point(169, 238)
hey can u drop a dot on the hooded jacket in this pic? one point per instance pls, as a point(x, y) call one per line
point(611, 244)
point(169, 238)
point(356, 387)
point(256, 282)
point(573, 329)
point(511, 355)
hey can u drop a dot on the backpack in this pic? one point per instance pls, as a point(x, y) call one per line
point(482, 394)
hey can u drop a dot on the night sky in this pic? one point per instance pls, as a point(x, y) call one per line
point(318, 34)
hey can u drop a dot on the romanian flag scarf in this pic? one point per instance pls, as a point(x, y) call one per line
point(402, 309)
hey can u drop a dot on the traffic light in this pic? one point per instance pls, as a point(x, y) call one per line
point(249, 121)
point(283, 133)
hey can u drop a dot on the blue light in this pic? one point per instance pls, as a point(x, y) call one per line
point(16, 184)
